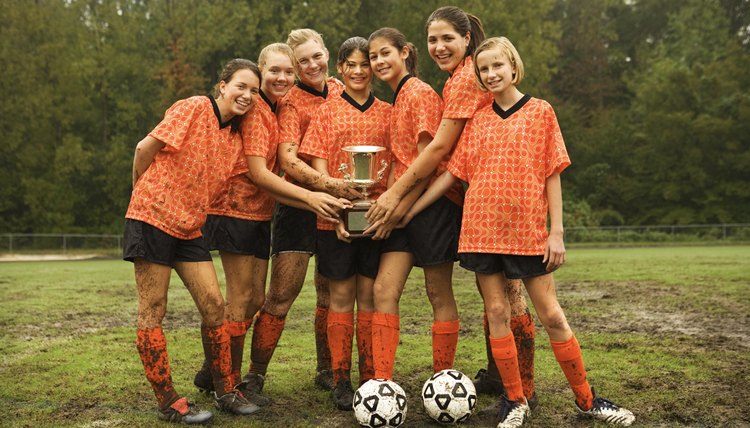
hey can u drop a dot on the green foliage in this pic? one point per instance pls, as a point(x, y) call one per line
point(652, 96)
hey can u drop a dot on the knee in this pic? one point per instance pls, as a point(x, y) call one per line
point(554, 320)
point(213, 309)
point(498, 312)
point(151, 314)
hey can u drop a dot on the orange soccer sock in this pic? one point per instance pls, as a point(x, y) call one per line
point(237, 331)
point(506, 358)
point(152, 347)
point(266, 334)
point(524, 333)
point(444, 342)
point(364, 346)
point(321, 338)
point(216, 348)
point(340, 335)
point(568, 355)
point(385, 337)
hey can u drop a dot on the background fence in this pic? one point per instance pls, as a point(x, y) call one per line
point(101, 244)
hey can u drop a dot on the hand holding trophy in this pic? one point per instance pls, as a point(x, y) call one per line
point(361, 171)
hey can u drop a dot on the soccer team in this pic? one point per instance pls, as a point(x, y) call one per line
point(208, 178)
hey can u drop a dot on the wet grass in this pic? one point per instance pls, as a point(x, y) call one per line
point(665, 331)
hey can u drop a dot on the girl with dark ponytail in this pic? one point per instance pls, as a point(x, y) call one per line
point(452, 37)
point(433, 235)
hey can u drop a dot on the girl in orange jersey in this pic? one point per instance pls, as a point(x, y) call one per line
point(355, 117)
point(177, 169)
point(452, 36)
point(433, 235)
point(294, 231)
point(511, 154)
point(239, 218)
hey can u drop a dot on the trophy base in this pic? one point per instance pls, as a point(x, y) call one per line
point(354, 219)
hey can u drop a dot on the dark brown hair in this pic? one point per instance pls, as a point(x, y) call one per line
point(398, 40)
point(226, 75)
point(462, 22)
point(350, 45)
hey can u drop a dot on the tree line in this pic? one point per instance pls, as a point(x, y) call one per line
point(653, 96)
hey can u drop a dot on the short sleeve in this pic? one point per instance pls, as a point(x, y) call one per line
point(174, 128)
point(427, 114)
point(290, 124)
point(459, 164)
point(256, 133)
point(463, 98)
point(316, 141)
point(556, 154)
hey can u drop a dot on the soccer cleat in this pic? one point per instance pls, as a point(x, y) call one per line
point(324, 380)
point(343, 395)
point(252, 388)
point(608, 411)
point(234, 402)
point(513, 414)
point(203, 380)
point(489, 414)
point(486, 383)
point(183, 411)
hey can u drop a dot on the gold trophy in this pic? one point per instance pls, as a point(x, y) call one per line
point(364, 175)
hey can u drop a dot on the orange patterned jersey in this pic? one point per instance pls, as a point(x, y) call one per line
point(341, 122)
point(297, 108)
point(417, 108)
point(174, 193)
point(506, 157)
point(461, 95)
point(240, 197)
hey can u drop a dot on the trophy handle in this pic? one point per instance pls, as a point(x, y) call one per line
point(383, 167)
point(343, 170)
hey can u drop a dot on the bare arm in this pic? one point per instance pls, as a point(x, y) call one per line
point(302, 172)
point(145, 152)
point(554, 253)
point(446, 137)
point(438, 188)
point(322, 204)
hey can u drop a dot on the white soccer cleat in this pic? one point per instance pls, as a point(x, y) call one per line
point(608, 411)
point(513, 414)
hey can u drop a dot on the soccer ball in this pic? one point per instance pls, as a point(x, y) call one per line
point(380, 403)
point(449, 397)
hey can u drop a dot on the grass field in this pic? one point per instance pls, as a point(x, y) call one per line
point(664, 331)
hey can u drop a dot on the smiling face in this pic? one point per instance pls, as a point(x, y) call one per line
point(387, 61)
point(239, 94)
point(495, 70)
point(278, 75)
point(446, 46)
point(356, 73)
point(312, 64)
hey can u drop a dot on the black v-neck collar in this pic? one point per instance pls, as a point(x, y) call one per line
point(271, 105)
point(400, 85)
point(363, 107)
point(217, 113)
point(313, 91)
point(508, 113)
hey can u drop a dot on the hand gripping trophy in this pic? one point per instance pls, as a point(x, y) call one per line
point(361, 171)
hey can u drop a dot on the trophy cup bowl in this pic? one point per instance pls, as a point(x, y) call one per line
point(361, 170)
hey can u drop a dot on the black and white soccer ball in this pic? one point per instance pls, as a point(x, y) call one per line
point(380, 403)
point(449, 397)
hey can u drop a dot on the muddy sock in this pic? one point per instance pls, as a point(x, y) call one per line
point(152, 347)
point(217, 352)
point(364, 346)
point(385, 336)
point(321, 338)
point(568, 355)
point(266, 334)
point(237, 331)
point(506, 358)
point(340, 334)
point(524, 333)
point(444, 342)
